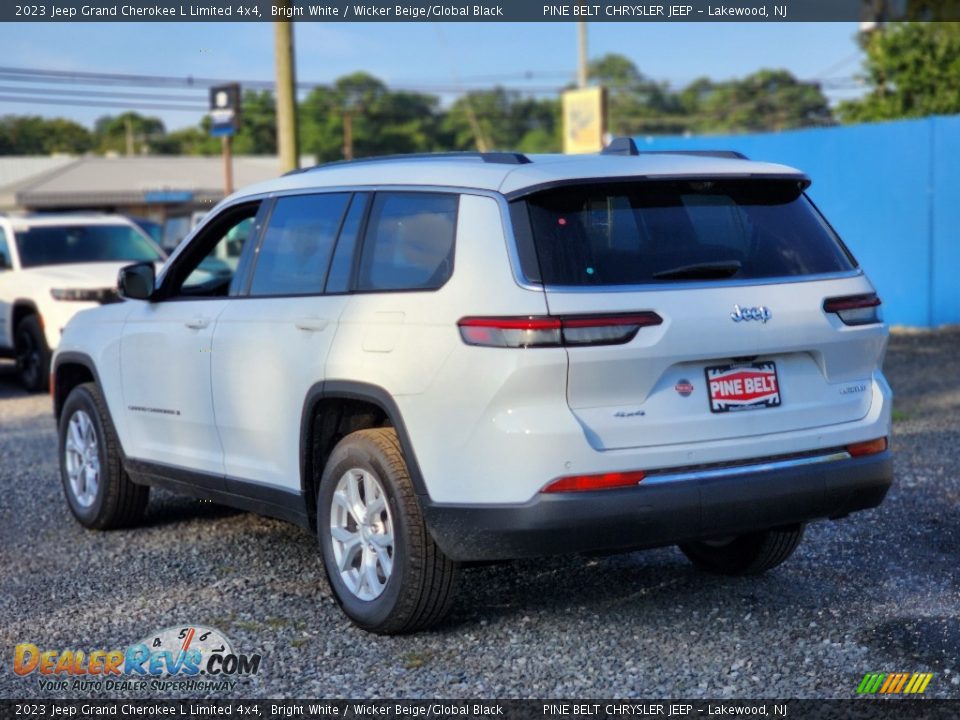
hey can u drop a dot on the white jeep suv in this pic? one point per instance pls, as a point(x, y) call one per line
point(52, 266)
point(441, 360)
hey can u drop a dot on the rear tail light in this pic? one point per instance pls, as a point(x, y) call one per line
point(855, 309)
point(570, 330)
point(586, 483)
point(870, 447)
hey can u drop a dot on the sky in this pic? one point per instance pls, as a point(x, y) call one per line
point(423, 56)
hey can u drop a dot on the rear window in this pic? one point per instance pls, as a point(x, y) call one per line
point(678, 231)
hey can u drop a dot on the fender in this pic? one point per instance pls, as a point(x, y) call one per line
point(75, 358)
point(9, 341)
point(374, 394)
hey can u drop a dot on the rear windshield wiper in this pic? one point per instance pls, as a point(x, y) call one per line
point(704, 270)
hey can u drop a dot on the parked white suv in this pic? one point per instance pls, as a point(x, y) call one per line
point(51, 267)
point(448, 359)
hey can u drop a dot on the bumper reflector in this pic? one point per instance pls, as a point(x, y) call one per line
point(870, 447)
point(586, 483)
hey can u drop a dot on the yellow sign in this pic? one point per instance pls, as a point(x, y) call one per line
point(584, 120)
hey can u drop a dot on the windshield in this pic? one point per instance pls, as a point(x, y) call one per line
point(676, 231)
point(67, 244)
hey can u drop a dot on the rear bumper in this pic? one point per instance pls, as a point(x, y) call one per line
point(663, 510)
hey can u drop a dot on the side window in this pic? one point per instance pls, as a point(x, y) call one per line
point(409, 241)
point(211, 265)
point(297, 244)
point(338, 279)
point(6, 262)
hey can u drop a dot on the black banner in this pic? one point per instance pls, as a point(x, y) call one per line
point(475, 11)
point(860, 709)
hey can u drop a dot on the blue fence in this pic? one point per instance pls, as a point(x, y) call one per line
point(892, 191)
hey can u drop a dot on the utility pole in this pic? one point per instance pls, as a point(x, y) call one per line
point(348, 134)
point(227, 144)
point(286, 96)
point(128, 124)
point(582, 64)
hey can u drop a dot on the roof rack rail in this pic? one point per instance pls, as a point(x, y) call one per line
point(502, 158)
point(628, 146)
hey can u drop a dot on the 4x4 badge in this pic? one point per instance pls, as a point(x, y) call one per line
point(740, 314)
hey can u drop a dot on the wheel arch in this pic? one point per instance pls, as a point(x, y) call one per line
point(333, 409)
point(19, 309)
point(69, 370)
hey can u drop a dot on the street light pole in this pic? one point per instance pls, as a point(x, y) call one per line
point(286, 96)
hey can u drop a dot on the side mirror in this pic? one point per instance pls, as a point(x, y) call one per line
point(137, 282)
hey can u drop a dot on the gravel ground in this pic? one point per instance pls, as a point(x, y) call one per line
point(879, 591)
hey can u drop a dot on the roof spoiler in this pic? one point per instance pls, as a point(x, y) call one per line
point(628, 146)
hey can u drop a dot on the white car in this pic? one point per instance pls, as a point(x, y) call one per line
point(447, 359)
point(51, 267)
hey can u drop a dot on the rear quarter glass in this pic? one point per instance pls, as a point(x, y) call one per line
point(671, 231)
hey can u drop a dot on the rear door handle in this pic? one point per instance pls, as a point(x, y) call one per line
point(312, 324)
point(198, 323)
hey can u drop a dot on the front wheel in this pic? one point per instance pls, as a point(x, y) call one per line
point(33, 355)
point(383, 567)
point(745, 554)
point(98, 490)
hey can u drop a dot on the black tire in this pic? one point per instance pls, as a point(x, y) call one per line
point(420, 588)
point(117, 501)
point(33, 355)
point(745, 554)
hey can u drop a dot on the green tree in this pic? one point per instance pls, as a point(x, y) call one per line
point(763, 101)
point(112, 132)
point(383, 122)
point(503, 120)
point(34, 135)
point(912, 70)
point(636, 104)
point(188, 141)
point(258, 124)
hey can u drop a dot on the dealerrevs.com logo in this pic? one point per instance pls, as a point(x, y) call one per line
point(182, 658)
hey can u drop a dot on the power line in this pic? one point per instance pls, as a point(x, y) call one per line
point(111, 95)
point(73, 102)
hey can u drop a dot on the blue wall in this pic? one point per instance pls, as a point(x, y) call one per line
point(892, 191)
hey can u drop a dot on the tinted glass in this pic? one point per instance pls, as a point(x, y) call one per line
point(338, 280)
point(5, 260)
point(409, 242)
point(296, 247)
point(216, 271)
point(63, 244)
point(627, 234)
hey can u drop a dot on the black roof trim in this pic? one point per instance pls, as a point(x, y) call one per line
point(502, 158)
point(628, 146)
point(802, 180)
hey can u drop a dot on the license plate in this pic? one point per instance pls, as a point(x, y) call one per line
point(750, 386)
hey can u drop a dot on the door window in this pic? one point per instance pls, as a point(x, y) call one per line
point(297, 244)
point(214, 265)
point(6, 262)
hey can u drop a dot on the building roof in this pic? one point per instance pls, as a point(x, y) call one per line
point(17, 171)
point(98, 181)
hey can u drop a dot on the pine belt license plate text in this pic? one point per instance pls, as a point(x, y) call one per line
point(750, 386)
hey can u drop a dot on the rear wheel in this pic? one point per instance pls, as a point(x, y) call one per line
point(745, 554)
point(33, 355)
point(98, 490)
point(384, 568)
